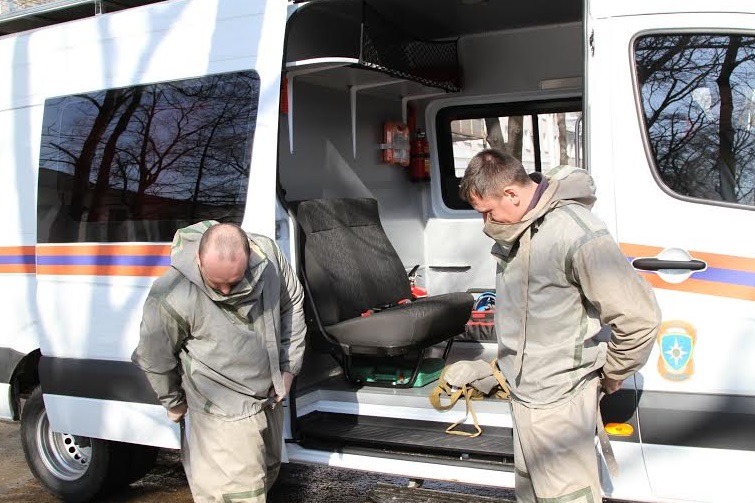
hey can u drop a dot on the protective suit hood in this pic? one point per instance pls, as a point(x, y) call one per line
point(183, 257)
point(566, 185)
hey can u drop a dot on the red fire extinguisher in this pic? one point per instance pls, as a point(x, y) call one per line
point(420, 157)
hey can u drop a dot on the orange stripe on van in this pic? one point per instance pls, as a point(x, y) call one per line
point(704, 287)
point(18, 268)
point(103, 259)
point(17, 250)
point(738, 269)
point(712, 259)
point(17, 260)
point(104, 249)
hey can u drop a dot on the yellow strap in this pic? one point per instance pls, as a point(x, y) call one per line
point(444, 389)
point(469, 410)
point(505, 392)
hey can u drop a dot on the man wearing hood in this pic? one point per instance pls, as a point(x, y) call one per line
point(561, 278)
point(222, 337)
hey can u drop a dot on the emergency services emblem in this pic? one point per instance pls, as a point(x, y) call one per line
point(676, 342)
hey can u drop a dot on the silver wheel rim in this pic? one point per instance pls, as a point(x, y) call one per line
point(65, 456)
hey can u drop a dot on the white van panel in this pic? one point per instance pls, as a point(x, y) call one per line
point(5, 399)
point(113, 420)
point(720, 380)
point(17, 287)
point(163, 41)
point(96, 317)
point(601, 9)
point(698, 474)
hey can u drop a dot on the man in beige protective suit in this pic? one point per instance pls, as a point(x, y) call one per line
point(222, 337)
point(561, 278)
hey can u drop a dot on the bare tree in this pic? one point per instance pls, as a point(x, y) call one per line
point(515, 130)
point(693, 87)
point(563, 154)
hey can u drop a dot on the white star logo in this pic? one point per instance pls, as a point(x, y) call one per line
point(676, 352)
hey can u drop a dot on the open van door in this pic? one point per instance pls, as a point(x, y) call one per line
point(672, 147)
point(166, 114)
point(620, 407)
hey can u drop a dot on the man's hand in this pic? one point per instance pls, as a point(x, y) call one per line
point(177, 413)
point(288, 379)
point(611, 385)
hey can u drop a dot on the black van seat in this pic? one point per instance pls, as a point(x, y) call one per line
point(359, 289)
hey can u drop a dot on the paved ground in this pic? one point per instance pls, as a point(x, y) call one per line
point(167, 483)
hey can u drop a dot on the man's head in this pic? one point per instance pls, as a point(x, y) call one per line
point(497, 185)
point(223, 256)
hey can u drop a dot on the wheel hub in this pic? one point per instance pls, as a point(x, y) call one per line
point(66, 456)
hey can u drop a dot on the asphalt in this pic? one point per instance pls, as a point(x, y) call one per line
point(166, 483)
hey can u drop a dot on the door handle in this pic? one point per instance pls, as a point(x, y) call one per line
point(656, 264)
point(672, 265)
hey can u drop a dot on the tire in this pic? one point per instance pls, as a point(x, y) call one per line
point(129, 463)
point(73, 468)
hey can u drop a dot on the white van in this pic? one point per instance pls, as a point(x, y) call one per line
point(118, 128)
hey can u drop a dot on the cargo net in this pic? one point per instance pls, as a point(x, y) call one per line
point(386, 49)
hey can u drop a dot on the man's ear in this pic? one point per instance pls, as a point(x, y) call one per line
point(511, 192)
point(196, 259)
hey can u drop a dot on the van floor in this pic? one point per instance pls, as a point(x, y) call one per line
point(338, 416)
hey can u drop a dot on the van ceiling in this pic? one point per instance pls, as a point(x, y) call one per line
point(448, 19)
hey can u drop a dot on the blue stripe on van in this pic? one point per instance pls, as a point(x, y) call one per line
point(124, 260)
point(16, 259)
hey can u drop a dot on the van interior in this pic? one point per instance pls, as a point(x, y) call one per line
point(465, 75)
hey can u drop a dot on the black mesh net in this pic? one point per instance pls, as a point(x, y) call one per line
point(387, 49)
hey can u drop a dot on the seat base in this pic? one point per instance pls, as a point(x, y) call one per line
point(397, 373)
point(406, 371)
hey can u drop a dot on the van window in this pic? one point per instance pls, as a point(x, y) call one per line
point(540, 134)
point(698, 101)
point(136, 163)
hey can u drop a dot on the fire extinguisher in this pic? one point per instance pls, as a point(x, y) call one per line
point(420, 157)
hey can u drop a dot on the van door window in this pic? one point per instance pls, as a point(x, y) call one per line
point(136, 163)
point(698, 102)
point(541, 134)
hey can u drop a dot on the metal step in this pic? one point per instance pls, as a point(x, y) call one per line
point(385, 493)
point(324, 429)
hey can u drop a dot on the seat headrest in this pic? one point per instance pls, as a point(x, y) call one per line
point(318, 215)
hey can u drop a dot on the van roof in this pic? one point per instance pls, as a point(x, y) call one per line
point(22, 15)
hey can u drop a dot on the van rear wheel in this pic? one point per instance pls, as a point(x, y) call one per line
point(72, 467)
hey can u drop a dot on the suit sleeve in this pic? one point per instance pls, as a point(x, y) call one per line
point(160, 338)
point(624, 300)
point(293, 326)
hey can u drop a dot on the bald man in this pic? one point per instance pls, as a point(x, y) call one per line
point(222, 337)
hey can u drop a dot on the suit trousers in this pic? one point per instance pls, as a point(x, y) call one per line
point(232, 461)
point(555, 456)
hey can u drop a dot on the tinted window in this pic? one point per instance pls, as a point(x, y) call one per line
point(698, 99)
point(134, 164)
point(540, 134)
